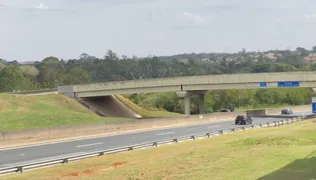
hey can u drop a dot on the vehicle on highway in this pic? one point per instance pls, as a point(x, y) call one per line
point(225, 110)
point(286, 111)
point(242, 119)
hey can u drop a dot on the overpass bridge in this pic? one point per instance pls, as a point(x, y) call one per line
point(193, 85)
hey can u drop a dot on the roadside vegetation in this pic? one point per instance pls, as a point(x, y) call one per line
point(29, 112)
point(287, 152)
point(151, 112)
point(217, 100)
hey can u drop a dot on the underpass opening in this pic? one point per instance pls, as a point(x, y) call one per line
point(108, 106)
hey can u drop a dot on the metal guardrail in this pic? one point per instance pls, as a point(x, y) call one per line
point(66, 159)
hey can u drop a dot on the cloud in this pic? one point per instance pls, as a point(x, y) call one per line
point(34, 8)
point(40, 6)
point(308, 17)
point(178, 20)
point(193, 17)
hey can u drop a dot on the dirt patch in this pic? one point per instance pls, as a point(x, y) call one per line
point(89, 172)
point(117, 164)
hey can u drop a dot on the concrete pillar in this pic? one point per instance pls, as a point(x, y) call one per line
point(187, 108)
point(186, 95)
point(202, 103)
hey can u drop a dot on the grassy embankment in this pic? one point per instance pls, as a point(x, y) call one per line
point(287, 153)
point(263, 107)
point(27, 112)
point(144, 112)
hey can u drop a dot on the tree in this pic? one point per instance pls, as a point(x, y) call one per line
point(78, 75)
point(12, 79)
point(51, 71)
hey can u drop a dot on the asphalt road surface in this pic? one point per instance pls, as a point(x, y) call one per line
point(23, 155)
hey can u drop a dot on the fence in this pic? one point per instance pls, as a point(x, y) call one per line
point(39, 164)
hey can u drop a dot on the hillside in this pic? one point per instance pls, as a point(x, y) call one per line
point(25, 112)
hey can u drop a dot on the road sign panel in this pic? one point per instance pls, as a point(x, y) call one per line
point(289, 84)
point(314, 107)
point(263, 84)
point(314, 104)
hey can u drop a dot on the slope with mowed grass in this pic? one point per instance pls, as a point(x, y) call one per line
point(286, 152)
point(27, 112)
point(144, 112)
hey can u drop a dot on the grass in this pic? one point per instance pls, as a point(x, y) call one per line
point(262, 107)
point(28, 112)
point(266, 154)
point(144, 112)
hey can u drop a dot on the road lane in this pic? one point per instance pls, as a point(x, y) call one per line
point(40, 152)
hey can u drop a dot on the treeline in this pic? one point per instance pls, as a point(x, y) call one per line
point(51, 72)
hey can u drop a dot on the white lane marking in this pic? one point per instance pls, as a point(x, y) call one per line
point(161, 134)
point(21, 154)
point(86, 145)
point(212, 126)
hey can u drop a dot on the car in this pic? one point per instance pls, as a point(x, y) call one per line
point(225, 110)
point(286, 111)
point(241, 119)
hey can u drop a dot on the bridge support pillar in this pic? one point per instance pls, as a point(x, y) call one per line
point(186, 95)
point(187, 105)
point(201, 103)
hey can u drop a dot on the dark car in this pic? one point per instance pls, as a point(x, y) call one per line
point(225, 110)
point(286, 111)
point(241, 119)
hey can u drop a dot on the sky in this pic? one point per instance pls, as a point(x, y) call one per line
point(31, 30)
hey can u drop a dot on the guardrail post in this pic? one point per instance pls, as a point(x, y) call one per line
point(292, 120)
point(260, 125)
point(287, 121)
point(243, 128)
point(252, 126)
point(21, 169)
point(282, 122)
point(101, 153)
point(275, 124)
point(130, 148)
point(221, 132)
point(193, 137)
point(175, 140)
point(65, 161)
point(208, 135)
point(233, 130)
point(268, 124)
point(155, 144)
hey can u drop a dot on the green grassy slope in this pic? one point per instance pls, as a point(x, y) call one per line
point(144, 112)
point(26, 112)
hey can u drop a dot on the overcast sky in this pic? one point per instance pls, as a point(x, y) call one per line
point(33, 29)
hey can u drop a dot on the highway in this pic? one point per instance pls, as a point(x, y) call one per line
point(48, 151)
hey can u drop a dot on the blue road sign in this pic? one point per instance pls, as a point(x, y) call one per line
point(289, 84)
point(314, 104)
point(314, 107)
point(263, 84)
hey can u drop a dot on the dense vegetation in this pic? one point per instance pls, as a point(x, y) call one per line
point(51, 72)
